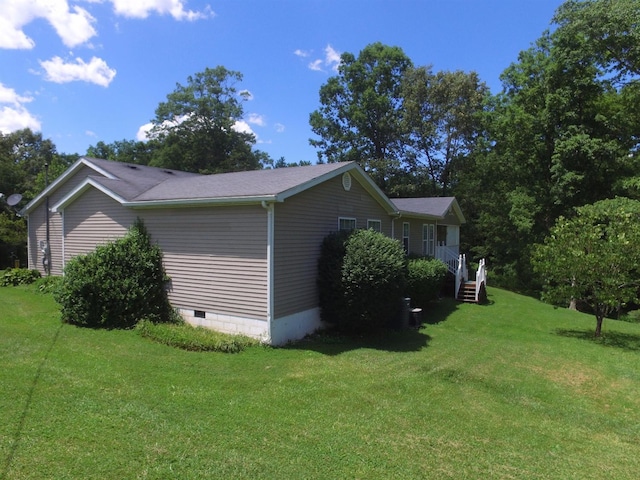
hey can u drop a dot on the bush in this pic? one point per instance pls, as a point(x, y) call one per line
point(195, 339)
point(373, 279)
point(117, 284)
point(48, 284)
point(425, 279)
point(330, 290)
point(18, 276)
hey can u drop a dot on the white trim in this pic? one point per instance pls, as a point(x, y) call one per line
point(64, 236)
point(81, 162)
point(270, 258)
point(80, 189)
point(429, 242)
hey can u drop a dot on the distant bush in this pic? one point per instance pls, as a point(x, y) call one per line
point(117, 284)
point(197, 339)
point(18, 276)
point(425, 279)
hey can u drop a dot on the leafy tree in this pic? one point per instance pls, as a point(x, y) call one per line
point(194, 127)
point(442, 118)
point(593, 257)
point(128, 151)
point(558, 137)
point(361, 114)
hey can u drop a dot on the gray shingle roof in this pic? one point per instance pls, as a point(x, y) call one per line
point(255, 183)
point(432, 206)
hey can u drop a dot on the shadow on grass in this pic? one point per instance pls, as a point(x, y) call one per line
point(335, 343)
point(624, 341)
point(406, 340)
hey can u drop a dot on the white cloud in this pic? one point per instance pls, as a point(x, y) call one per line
point(257, 119)
point(96, 71)
point(143, 132)
point(13, 114)
point(90, 133)
point(279, 127)
point(175, 8)
point(73, 25)
point(242, 127)
point(331, 60)
point(316, 65)
point(301, 53)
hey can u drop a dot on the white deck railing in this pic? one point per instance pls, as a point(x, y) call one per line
point(462, 276)
point(449, 256)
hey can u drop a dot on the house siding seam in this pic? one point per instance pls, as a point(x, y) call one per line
point(301, 223)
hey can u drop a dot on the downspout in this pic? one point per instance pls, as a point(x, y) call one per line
point(270, 255)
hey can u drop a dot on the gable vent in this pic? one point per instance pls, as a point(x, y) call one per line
point(346, 181)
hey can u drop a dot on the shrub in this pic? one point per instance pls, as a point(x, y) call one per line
point(329, 280)
point(18, 276)
point(425, 279)
point(48, 284)
point(373, 279)
point(117, 284)
point(197, 339)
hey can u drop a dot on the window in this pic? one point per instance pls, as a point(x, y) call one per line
point(375, 225)
point(405, 236)
point(429, 239)
point(346, 224)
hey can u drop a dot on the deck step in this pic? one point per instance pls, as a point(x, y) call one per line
point(467, 292)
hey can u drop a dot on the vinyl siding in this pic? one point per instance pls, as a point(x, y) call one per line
point(301, 223)
point(415, 233)
point(93, 219)
point(216, 257)
point(38, 228)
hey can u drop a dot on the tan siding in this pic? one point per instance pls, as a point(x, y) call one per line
point(301, 223)
point(216, 257)
point(93, 219)
point(37, 225)
point(415, 233)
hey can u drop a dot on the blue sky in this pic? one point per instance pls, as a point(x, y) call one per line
point(95, 70)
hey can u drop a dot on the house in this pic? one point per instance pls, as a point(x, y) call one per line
point(241, 248)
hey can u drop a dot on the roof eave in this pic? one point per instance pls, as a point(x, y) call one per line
point(201, 202)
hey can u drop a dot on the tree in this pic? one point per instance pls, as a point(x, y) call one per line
point(194, 128)
point(593, 257)
point(558, 137)
point(442, 116)
point(361, 114)
point(128, 151)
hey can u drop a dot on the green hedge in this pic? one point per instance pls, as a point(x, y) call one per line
point(425, 280)
point(116, 285)
point(361, 278)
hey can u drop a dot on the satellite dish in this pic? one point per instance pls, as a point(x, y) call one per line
point(14, 199)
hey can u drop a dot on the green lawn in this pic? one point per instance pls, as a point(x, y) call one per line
point(514, 389)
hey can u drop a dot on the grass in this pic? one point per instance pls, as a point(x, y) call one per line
point(514, 389)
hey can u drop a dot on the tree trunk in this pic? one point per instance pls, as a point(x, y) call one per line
point(599, 319)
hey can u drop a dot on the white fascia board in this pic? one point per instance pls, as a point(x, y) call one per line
point(70, 172)
point(202, 202)
point(80, 189)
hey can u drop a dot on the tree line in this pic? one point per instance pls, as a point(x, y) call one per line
point(562, 133)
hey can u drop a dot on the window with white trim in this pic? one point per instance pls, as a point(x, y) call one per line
point(429, 239)
point(346, 224)
point(405, 236)
point(375, 225)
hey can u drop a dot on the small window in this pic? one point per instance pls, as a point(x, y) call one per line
point(346, 224)
point(199, 314)
point(405, 236)
point(375, 225)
